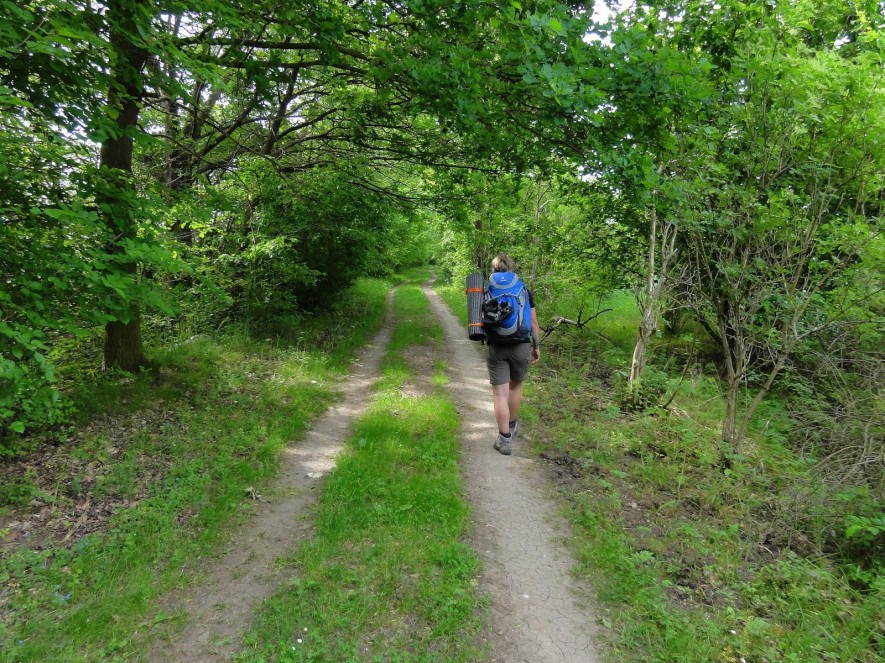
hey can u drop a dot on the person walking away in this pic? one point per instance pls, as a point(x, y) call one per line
point(510, 354)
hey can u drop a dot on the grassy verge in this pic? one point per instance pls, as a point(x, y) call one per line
point(456, 299)
point(387, 575)
point(153, 477)
point(690, 563)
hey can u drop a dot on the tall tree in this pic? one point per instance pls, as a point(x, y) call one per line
point(334, 84)
point(127, 21)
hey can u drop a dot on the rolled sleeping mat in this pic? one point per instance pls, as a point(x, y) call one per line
point(475, 295)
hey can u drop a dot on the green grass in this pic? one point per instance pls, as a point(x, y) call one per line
point(692, 563)
point(415, 326)
point(456, 299)
point(171, 452)
point(387, 575)
point(415, 275)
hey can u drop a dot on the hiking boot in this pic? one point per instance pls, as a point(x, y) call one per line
point(502, 444)
point(513, 430)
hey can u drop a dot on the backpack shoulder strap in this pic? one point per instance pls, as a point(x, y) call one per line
point(525, 303)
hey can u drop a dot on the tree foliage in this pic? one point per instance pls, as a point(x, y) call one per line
point(252, 163)
point(774, 177)
point(121, 121)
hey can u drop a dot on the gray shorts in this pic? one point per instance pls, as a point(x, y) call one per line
point(509, 363)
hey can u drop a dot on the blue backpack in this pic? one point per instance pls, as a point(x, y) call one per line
point(506, 314)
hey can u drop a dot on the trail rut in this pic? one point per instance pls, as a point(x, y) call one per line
point(221, 608)
point(538, 614)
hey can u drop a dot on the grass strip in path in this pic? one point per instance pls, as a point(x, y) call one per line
point(387, 575)
point(169, 465)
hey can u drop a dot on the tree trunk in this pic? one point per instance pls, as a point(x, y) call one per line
point(674, 319)
point(735, 370)
point(536, 239)
point(729, 422)
point(649, 313)
point(647, 327)
point(178, 174)
point(480, 254)
point(123, 345)
point(757, 400)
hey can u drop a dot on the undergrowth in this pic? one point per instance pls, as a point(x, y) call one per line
point(692, 563)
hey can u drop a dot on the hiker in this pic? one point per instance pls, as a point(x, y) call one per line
point(509, 357)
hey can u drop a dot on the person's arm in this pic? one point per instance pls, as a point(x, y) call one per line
point(536, 337)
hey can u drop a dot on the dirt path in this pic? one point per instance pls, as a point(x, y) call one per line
point(536, 613)
point(221, 608)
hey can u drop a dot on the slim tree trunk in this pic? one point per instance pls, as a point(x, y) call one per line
point(735, 369)
point(647, 327)
point(480, 254)
point(536, 239)
point(178, 167)
point(757, 400)
point(649, 312)
point(729, 422)
point(123, 345)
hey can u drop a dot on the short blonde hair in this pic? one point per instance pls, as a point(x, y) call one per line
point(503, 263)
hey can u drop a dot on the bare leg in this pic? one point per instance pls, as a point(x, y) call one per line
point(501, 399)
point(514, 398)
